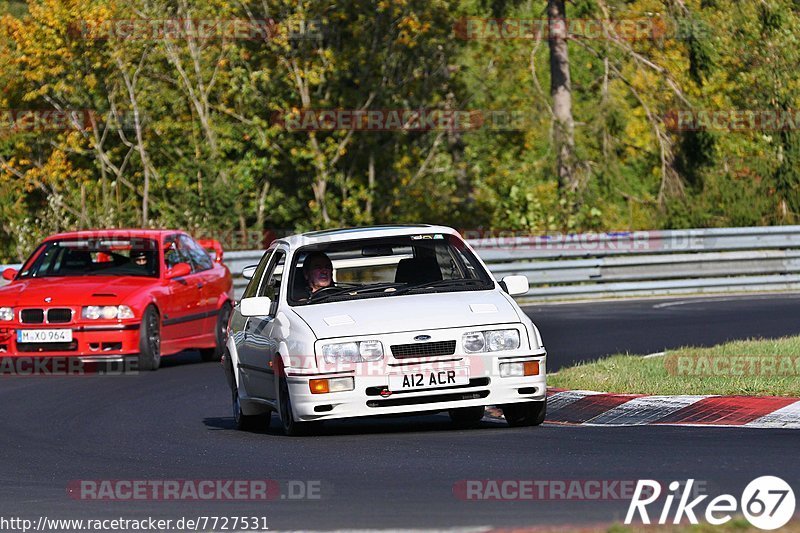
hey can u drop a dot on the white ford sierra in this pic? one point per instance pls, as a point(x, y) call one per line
point(380, 321)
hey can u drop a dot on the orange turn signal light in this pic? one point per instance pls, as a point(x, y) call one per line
point(531, 368)
point(319, 386)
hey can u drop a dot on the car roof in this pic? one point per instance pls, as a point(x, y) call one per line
point(106, 233)
point(364, 232)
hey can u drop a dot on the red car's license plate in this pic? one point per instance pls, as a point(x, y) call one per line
point(44, 335)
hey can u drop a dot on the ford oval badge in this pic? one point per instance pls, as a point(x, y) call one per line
point(422, 338)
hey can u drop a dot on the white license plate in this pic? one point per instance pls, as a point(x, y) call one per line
point(44, 335)
point(429, 379)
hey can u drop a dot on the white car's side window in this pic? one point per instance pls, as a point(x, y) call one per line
point(258, 275)
point(271, 284)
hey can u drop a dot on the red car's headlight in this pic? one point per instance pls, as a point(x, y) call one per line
point(106, 312)
point(6, 314)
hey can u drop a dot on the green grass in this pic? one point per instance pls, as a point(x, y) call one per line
point(739, 368)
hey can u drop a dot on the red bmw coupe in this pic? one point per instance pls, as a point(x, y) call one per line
point(108, 295)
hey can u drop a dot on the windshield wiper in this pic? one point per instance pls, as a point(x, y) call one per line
point(351, 291)
point(442, 283)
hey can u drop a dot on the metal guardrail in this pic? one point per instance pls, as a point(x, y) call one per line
point(639, 263)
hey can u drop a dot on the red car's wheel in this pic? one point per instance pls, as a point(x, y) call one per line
point(150, 340)
point(221, 330)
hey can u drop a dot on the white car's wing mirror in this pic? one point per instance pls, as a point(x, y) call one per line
point(515, 285)
point(247, 272)
point(255, 306)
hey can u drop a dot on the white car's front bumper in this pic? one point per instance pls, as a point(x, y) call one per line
point(371, 396)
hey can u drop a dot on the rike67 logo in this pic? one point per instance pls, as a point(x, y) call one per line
point(767, 502)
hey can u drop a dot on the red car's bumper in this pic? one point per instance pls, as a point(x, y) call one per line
point(95, 341)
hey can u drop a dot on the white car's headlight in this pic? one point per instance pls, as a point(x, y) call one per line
point(474, 342)
point(106, 312)
point(490, 341)
point(353, 352)
point(6, 314)
point(502, 339)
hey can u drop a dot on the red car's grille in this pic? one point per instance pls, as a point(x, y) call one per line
point(59, 316)
point(55, 315)
point(32, 316)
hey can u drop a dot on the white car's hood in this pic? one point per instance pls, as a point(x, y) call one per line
point(391, 314)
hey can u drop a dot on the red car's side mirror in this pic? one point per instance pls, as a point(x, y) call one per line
point(9, 273)
point(213, 247)
point(178, 271)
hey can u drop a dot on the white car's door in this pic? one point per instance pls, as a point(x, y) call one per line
point(258, 346)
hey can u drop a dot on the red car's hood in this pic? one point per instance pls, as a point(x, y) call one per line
point(78, 290)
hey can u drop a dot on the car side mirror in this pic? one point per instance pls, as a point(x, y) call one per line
point(9, 273)
point(515, 285)
point(248, 271)
point(213, 247)
point(255, 306)
point(178, 271)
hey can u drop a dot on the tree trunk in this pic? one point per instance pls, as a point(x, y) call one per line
point(561, 92)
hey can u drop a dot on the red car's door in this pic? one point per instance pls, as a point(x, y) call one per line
point(183, 314)
point(208, 278)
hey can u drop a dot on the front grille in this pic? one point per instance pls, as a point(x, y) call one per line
point(32, 316)
point(48, 346)
point(59, 316)
point(421, 400)
point(424, 349)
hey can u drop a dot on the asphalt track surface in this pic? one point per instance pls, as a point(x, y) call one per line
point(380, 473)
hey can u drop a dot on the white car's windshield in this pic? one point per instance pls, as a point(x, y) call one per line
point(94, 257)
point(384, 267)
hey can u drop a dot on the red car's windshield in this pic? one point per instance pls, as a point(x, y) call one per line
point(94, 257)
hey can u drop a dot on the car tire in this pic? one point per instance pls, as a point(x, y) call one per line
point(291, 427)
point(467, 416)
point(245, 422)
point(220, 330)
point(150, 340)
point(525, 414)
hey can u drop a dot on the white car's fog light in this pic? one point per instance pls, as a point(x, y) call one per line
point(526, 368)
point(341, 384)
